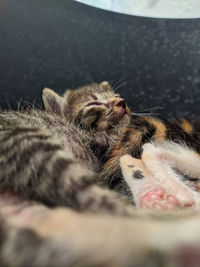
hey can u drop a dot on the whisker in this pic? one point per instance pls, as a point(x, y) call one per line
point(117, 82)
point(118, 87)
point(144, 114)
point(146, 109)
point(19, 104)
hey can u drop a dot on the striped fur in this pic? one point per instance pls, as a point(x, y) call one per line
point(52, 157)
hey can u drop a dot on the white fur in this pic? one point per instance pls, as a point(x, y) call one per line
point(160, 159)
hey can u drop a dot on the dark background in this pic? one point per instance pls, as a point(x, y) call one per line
point(155, 63)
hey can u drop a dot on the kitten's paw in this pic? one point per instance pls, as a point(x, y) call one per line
point(147, 192)
point(158, 199)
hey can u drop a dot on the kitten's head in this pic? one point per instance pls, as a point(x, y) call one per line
point(94, 106)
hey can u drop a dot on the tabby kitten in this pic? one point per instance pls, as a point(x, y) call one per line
point(52, 155)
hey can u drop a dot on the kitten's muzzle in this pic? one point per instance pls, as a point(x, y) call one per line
point(119, 109)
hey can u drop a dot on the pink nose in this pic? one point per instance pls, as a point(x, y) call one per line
point(118, 101)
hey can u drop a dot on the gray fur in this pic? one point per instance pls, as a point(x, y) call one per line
point(47, 157)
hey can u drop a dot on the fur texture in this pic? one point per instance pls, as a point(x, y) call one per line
point(179, 136)
point(52, 157)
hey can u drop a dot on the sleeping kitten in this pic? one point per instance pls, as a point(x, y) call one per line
point(52, 156)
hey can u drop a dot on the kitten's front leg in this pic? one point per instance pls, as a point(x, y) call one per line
point(160, 186)
point(172, 165)
point(147, 192)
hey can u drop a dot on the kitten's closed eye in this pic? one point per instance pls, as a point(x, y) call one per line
point(95, 103)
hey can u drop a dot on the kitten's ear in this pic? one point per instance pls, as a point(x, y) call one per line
point(52, 101)
point(105, 85)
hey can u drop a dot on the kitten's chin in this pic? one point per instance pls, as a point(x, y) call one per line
point(125, 119)
point(122, 121)
point(121, 116)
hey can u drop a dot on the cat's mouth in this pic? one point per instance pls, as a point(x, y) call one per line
point(121, 115)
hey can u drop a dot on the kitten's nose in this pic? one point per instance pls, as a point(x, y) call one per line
point(118, 101)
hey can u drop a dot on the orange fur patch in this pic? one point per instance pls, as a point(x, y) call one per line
point(160, 128)
point(187, 127)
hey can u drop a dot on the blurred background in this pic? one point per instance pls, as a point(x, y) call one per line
point(150, 8)
point(148, 50)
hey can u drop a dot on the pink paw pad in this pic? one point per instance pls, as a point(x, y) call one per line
point(158, 199)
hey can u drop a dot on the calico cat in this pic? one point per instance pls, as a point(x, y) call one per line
point(165, 151)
